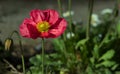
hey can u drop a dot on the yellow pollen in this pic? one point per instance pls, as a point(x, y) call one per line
point(43, 26)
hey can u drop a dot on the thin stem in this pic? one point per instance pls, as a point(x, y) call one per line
point(23, 63)
point(115, 15)
point(22, 55)
point(90, 10)
point(60, 10)
point(43, 55)
point(70, 17)
point(60, 7)
point(117, 2)
point(116, 9)
point(102, 42)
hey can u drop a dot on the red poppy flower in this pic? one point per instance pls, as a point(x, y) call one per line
point(43, 24)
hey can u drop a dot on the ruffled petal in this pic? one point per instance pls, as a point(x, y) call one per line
point(51, 16)
point(28, 29)
point(37, 15)
point(57, 29)
point(24, 31)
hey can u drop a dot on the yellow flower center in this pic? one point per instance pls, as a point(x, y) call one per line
point(43, 26)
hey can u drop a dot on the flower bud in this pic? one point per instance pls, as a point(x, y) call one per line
point(8, 44)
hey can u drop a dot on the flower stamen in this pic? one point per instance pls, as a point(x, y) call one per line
point(43, 26)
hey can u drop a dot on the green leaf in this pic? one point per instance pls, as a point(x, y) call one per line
point(55, 56)
point(107, 71)
point(89, 70)
point(96, 51)
point(118, 28)
point(117, 72)
point(59, 44)
point(36, 60)
point(38, 57)
point(108, 55)
point(92, 60)
point(106, 64)
point(81, 43)
point(115, 66)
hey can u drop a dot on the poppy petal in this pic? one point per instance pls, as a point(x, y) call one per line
point(51, 16)
point(37, 15)
point(27, 29)
point(58, 29)
point(44, 34)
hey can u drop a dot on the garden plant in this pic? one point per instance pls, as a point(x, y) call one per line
point(91, 48)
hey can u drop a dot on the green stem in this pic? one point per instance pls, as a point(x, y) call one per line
point(43, 55)
point(115, 15)
point(70, 17)
point(60, 10)
point(22, 55)
point(23, 63)
point(102, 42)
point(60, 7)
point(90, 10)
point(116, 9)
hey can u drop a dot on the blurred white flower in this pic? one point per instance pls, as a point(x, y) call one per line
point(95, 21)
point(67, 14)
point(106, 11)
point(69, 35)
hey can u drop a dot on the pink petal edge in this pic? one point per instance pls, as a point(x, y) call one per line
point(37, 15)
point(59, 29)
point(51, 16)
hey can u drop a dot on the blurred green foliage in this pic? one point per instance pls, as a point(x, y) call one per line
point(77, 55)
